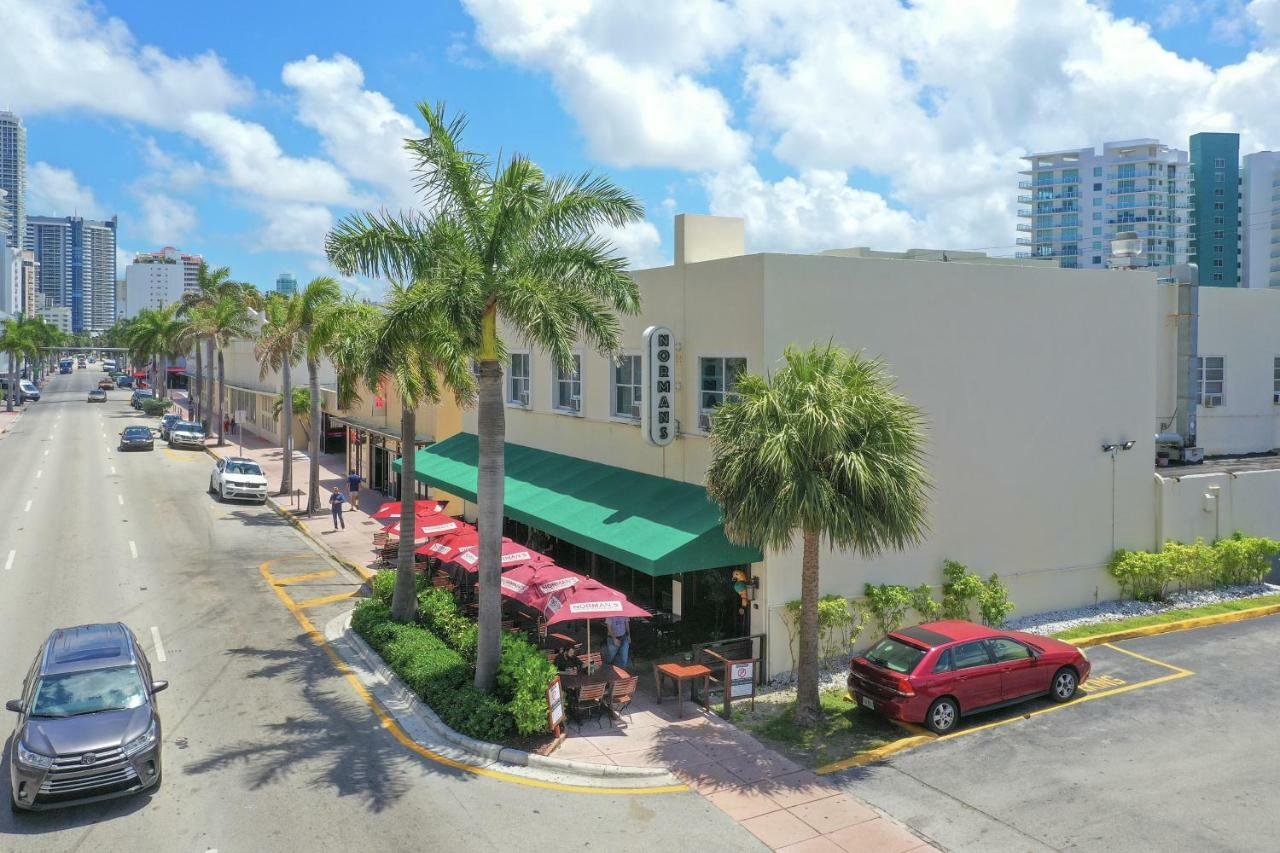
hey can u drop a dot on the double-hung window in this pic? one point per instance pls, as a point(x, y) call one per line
point(568, 386)
point(518, 379)
point(1275, 381)
point(718, 379)
point(1212, 374)
point(626, 387)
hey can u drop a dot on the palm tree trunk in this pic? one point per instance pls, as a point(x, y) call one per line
point(195, 395)
point(286, 475)
point(491, 427)
point(208, 405)
point(807, 711)
point(13, 385)
point(222, 390)
point(404, 602)
point(313, 487)
point(163, 376)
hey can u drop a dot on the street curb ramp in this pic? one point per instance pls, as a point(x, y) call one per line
point(404, 703)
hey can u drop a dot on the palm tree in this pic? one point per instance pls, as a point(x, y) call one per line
point(18, 341)
point(825, 447)
point(502, 240)
point(159, 335)
point(314, 320)
point(380, 346)
point(301, 408)
point(279, 345)
point(212, 284)
point(221, 322)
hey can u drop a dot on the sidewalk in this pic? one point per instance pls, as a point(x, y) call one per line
point(787, 807)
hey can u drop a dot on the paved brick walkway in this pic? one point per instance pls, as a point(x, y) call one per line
point(787, 807)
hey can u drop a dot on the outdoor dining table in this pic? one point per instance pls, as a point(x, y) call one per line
point(680, 673)
point(604, 675)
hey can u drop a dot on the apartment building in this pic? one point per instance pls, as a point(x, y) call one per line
point(1215, 175)
point(13, 177)
point(1260, 230)
point(76, 260)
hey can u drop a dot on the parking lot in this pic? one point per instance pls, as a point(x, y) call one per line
point(1173, 747)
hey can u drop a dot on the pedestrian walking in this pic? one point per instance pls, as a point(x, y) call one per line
point(619, 646)
point(353, 486)
point(335, 504)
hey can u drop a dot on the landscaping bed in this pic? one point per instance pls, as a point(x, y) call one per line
point(847, 729)
point(1111, 616)
point(1176, 614)
point(435, 657)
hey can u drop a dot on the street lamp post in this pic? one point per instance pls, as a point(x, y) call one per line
point(1113, 449)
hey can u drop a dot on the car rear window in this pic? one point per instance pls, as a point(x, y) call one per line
point(895, 655)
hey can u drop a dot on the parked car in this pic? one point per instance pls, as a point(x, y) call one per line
point(137, 438)
point(186, 434)
point(27, 391)
point(236, 477)
point(123, 381)
point(166, 423)
point(106, 384)
point(138, 396)
point(937, 672)
point(97, 395)
point(88, 727)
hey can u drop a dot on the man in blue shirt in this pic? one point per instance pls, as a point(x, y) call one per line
point(619, 647)
point(335, 504)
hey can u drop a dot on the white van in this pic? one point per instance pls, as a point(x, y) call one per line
point(27, 391)
point(108, 365)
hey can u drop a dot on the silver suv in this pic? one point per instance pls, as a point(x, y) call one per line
point(88, 728)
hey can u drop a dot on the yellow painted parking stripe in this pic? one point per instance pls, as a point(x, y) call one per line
point(874, 754)
point(389, 723)
point(1148, 660)
point(310, 576)
point(326, 599)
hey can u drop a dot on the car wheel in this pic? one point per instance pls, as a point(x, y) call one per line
point(211, 489)
point(1065, 684)
point(222, 493)
point(943, 715)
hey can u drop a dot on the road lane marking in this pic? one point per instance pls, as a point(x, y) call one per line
point(46, 453)
point(113, 469)
point(39, 473)
point(327, 599)
point(155, 636)
point(300, 578)
point(120, 499)
point(133, 549)
point(27, 508)
point(8, 564)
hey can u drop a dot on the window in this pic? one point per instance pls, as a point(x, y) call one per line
point(1217, 262)
point(1218, 235)
point(1097, 202)
point(1097, 259)
point(1217, 220)
point(1211, 372)
point(1097, 216)
point(1217, 205)
point(568, 387)
point(1219, 162)
point(1097, 171)
point(1003, 649)
point(719, 378)
point(518, 379)
point(1097, 188)
point(944, 663)
point(1275, 380)
point(968, 655)
point(1219, 192)
point(895, 655)
point(1217, 276)
point(1097, 230)
point(1219, 177)
point(626, 387)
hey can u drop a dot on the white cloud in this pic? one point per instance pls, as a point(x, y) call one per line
point(171, 173)
point(294, 228)
point(361, 130)
point(66, 54)
point(639, 243)
point(52, 191)
point(166, 221)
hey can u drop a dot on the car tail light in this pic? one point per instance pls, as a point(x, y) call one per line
point(904, 686)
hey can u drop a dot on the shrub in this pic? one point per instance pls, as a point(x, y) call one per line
point(922, 603)
point(1147, 576)
point(523, 676)
point(439, 613)
point(993, 602)
point(153, 407)
point(1242, 559)
point(960, 589)
point(888, 603)
point(383, 586)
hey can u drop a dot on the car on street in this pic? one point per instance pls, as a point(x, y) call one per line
point(123, 381)
point(107, 384)
point(27, 391)
point(137, 438)
point(88, 728)
point(138, 396)
point(236, 477)
point(937, 672)
point(166, 423)
point(97, 395)
point(186, 434)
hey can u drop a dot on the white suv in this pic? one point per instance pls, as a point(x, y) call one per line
point(238, 478)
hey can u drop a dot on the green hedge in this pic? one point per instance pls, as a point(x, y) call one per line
point(523, 671)
point(153, 407)
point(1151, 576)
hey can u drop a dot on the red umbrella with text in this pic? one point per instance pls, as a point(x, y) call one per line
point(588, 600)
point(428, 526)
point(531, 583)
point(448, 545)
point(389, 512)
point(513, 554)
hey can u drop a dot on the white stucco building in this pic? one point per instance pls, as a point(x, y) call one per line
point(1260, 227)
point(157, 279)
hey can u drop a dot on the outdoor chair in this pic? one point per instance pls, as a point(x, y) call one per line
point(589, 700)
point(623, 691)
point(591, 662)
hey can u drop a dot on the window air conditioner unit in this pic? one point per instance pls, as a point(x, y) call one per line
point(524, 398)
point(575, 404)
point(1211, 402)
point(1275, 398)
point(704, 421)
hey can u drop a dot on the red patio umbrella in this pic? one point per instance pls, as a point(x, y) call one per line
point(427, 526)
point(451, 544)
point(587, 600)
point(390, 511)
point(513, 554)
point(530, 583)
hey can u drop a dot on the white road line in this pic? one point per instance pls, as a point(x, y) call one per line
point(27, 508)
point(133, 549)
point(46, 453)
point(8, 564)
point(39, 474)
point(155, 635)
point(120, 499)
point(113, 469)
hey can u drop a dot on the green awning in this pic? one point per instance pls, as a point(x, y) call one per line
point(652, 524)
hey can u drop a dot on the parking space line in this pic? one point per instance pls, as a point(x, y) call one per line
point(113, 469)
point(133, 549)
point(155, 636)
point(327, 599)
point(300, 578)
point(27, 508)
point(39, 473)
point(120, 499)
point(8, 564)
point(1147, 659)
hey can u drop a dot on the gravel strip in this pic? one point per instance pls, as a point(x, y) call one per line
point(1109, 611)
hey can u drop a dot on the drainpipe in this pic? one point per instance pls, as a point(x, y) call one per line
point(1188, 350)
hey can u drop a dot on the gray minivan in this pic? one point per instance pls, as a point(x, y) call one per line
point(88, 728)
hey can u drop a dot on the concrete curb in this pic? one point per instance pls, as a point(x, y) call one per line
point(1180, 625)
point(339, 634)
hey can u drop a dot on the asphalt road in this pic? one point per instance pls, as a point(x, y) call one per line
point(1183, 763)
point(266, 747)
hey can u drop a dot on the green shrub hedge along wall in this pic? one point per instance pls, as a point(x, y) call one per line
point(1150, 576)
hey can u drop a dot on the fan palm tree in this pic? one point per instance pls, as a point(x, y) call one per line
point(279, 345)
point(159, 335)
point(824, 448)
point(503, 241)
point(221, 322)
point(301, 408)
point(380, 346)
point(17, 341)
point(314, 321)
point(212, 284)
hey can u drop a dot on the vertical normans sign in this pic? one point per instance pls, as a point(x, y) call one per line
point(658, 413)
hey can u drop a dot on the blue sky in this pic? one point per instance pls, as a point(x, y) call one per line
point(823, 122)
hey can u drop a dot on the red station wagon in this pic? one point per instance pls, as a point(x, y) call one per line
point(939, 671)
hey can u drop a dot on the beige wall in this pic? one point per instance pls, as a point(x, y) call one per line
point(1244, 501)
point(1241, 325)
point(242, 371)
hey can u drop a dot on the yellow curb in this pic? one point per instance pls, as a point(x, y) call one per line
point(389, 723)
point(876, 754)
point(1180, 625)
point(327, 599)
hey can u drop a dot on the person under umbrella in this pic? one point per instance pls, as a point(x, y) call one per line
point(588, 600)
